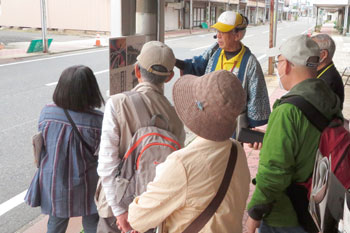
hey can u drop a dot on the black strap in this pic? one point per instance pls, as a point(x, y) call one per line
point(204, 217)
point(87, 146)
point(310, 112)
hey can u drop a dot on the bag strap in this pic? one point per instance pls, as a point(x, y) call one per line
point(87, 146)
point(243, 67)
point(204, 217)
point(142, 114)
point(140, 107)
point(311, 113)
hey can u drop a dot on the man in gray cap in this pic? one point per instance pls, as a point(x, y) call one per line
point(154, 67)
point(288, 153)
point(189, 179)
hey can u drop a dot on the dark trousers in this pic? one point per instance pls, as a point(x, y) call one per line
point(107, 225)
point(59, 225)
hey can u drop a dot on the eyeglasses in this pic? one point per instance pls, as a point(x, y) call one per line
point(277, 61)
point(224, 33)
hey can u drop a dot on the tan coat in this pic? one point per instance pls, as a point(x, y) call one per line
point(185, 184)
point(118, 127)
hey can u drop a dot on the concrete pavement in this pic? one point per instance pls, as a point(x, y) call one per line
point(17, 50)
point(340, 60)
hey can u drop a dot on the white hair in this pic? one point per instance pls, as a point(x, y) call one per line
point(326, 42)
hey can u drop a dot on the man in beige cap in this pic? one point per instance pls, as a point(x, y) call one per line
point(154, 67)
point(189, 179)
point(230, 54)
point(288, 153)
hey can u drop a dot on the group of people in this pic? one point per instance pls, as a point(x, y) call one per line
point(218, 93)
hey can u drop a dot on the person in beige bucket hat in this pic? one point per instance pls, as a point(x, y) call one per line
point(121, 120)
point(190, 178)
point(209, 105)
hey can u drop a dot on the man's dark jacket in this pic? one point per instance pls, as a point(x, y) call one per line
point(332, 77)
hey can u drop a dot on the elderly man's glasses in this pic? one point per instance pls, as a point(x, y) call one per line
point(277, 61)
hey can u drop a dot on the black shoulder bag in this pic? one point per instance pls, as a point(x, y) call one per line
point(87, 146)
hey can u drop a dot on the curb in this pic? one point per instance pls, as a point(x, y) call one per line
point(37, 55)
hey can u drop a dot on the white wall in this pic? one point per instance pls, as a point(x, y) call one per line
point(20, 13)
point(171, 19)
point(61, 14)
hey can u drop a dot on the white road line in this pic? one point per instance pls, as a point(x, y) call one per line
point(304, 32)
point(262, 57)
point(53, 57)
point(51, 84)
point(200, 48)
point(12, 203)
point(101, 72)
point(96, 73)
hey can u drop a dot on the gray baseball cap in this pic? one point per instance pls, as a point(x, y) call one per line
point(298, 50)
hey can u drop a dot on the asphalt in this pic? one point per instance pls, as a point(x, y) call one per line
point(14, 51)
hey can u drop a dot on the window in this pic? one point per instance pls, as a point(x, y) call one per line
point(198, 16)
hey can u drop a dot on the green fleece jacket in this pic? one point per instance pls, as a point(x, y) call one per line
point(288, 152)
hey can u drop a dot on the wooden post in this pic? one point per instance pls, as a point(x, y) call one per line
point(271, 36)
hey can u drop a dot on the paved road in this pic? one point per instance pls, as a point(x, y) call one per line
point(26, 86)
point(12, 35)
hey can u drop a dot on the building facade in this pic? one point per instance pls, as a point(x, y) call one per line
point(95, 15)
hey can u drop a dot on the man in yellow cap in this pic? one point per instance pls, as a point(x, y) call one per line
point(230, 54)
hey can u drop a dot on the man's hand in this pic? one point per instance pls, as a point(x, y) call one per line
point(256, 145)
point(122, 222)
point(252, 225)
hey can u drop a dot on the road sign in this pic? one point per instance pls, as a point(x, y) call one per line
point(37, 45)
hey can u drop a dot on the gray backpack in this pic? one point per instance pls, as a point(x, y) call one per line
point(149, 146)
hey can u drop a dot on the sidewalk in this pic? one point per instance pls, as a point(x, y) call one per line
point(17, 50)
point(340, 60)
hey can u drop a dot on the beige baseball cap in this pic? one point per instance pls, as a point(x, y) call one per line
point(156, 53)
point(298, 50)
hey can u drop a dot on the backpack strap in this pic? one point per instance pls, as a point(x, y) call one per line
point(216, 51)
point(312, 114)
point(204, 217)
point(243, 65)
point(140, 107)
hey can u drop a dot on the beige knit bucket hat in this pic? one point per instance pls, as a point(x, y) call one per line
point(209, 105)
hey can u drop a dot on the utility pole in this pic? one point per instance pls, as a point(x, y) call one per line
point(43, 25)
point(256, 12)
point(123, 17)
point(209, 16)
point(272, 41)
point(191, 16)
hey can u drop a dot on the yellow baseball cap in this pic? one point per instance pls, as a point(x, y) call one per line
point(228, 21)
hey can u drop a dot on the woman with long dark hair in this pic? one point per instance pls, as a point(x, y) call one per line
point(65, 182)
